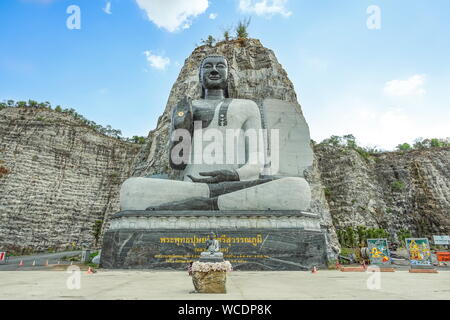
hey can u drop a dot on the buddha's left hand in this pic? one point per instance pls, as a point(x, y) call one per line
point(217, 177)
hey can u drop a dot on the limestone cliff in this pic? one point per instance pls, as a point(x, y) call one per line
point(394, 190)
point(60, 179)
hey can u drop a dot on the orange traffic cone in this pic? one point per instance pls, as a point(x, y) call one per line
point(314, 270)
point(21, 263)
point(90, 271)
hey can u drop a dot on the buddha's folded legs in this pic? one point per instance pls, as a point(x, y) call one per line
point(165, 195)
point(282, 194)
point(144, 193)
point(141, 193)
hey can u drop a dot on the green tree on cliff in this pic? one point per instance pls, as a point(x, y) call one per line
point(33, 104)
point(226, 35)
point(350, 141)
point(422, 143)
point(138, 140)
point(210, 41)
point(334, 141)
point(21, 104)
point(242, 29)
point(404, 147)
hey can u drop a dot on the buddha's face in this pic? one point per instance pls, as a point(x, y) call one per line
point(214, 73)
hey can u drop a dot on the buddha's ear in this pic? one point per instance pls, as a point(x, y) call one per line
point(230, 84)
point(203, 94)
point(200, 79)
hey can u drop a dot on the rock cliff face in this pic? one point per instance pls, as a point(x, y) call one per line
point(394, 191)
point(60, 179)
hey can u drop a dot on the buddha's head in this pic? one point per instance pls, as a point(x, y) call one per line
point(214, 74)
point(212, 236)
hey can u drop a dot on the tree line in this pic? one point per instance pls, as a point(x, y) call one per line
point(421, 143)
point(105, 130)
point(349, 141)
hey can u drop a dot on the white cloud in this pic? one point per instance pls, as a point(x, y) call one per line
point(107, 8)
point(265, 7)
point(157, 62)
point(173, 14)
point(376, 119)
point(412, 86)
point(375, 123)
point(377, 126)
point(213, 16)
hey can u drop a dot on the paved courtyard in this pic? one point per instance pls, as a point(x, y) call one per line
point(241, 286)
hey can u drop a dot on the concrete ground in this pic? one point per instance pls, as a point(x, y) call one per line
point(130, 285)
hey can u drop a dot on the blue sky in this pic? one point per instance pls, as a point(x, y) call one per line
point(386, 86)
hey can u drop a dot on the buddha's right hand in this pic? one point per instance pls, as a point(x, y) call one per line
point(216, 177)
point(182, 117)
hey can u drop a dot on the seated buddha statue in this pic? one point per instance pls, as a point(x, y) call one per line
point(216, 143)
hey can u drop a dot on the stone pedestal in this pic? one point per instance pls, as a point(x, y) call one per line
point(250, 240)
point(210, 282)
point(211, 258)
